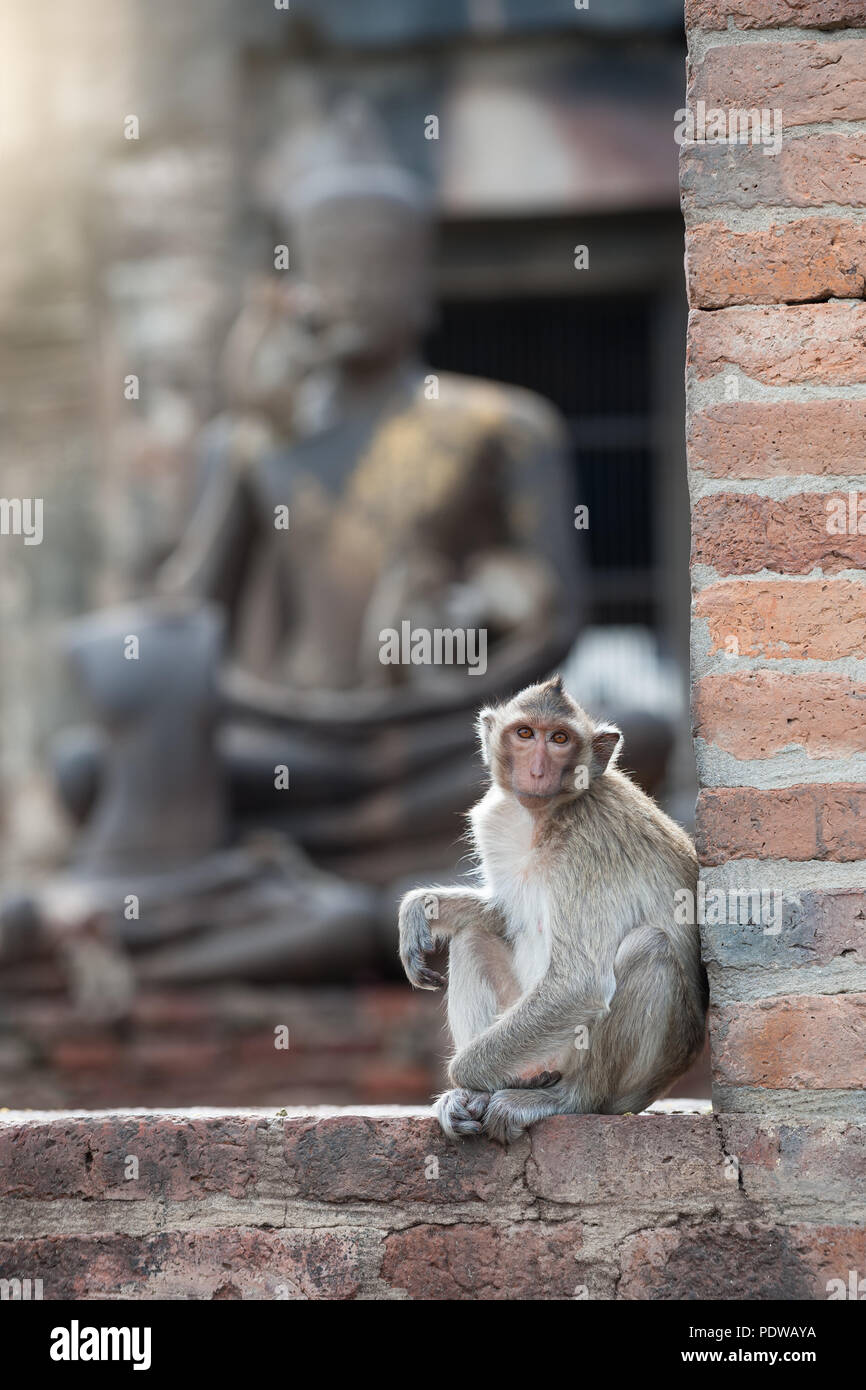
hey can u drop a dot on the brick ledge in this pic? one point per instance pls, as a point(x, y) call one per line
point(374, 1203)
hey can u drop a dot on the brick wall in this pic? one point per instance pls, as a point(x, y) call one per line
point(777, 442)
point(253, 1205)
point(228, 1046)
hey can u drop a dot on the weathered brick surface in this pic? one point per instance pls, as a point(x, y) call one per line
point(337, 1206)
point(792, 1042)
point(821, 1158)
point(740, 1260)
point(790, 263)
point(765, 439)
point(776, 299)
point(815, 928)
point(90, 1157)
point(811, 171)
point(485, 1262)
point(764, 14)
point(740, 533)
point(780, 345)
point(600, 1161)
point(822, 620)
point(754, 714)
point(206, 1264)
point(800, 822)
point(807, 81)
point(354, 1158)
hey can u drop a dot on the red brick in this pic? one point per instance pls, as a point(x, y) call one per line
point(601, 1158)
point(782, 345)
point(807, 81)
point(765, 439)
point(765, 14)
point(791, 1042)
point(173, 1009)
point(810, 171)
point(779, 1158)
point(87, 1054)
point(740, 823)
point(789, 263)
point(527, 1262)
point(220, 1264)
point(742, 533)
point(834, 925)
point(825, 822)
point(816, 928)
point(378, 1082)
point(821, 619)
point(167, 1056)
point(352, 1158)
point(87, 1157)
point(754, 714)
point(752, 1260)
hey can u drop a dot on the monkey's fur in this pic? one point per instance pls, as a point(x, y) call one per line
point(571, 986)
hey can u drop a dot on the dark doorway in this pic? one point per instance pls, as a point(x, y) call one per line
point(592, 358)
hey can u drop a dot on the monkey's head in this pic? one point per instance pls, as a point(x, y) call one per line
point(543, 748)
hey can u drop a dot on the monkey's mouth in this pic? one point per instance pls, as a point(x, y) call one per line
point(523, 794)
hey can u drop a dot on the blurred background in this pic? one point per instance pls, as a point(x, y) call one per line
point(155, 158)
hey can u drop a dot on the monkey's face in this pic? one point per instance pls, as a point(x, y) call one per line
point(540, 761)
point(543, 748)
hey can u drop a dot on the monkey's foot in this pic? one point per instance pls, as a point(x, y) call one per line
point(537, 1082)
point(461, 1112)
point(511, 1112)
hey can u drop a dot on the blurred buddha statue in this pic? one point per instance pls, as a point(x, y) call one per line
point(266, 768)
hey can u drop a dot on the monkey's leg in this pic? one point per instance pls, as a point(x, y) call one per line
point(654, 1028)
point(535, 1033)
point(481, 983)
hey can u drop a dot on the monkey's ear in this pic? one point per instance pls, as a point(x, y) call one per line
point(486, 720)
point(605, 745)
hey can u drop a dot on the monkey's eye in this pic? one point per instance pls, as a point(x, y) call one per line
point(559, 737)
point(524, 732)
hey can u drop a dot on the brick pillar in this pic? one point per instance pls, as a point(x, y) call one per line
point(776, 266)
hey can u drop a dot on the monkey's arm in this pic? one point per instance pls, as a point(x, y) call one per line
point(540, 1026)
point(429, 916)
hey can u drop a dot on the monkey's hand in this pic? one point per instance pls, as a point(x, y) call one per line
point(461, 1112)
point(417, 910)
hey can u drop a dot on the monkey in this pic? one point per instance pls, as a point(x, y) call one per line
point(572, 986)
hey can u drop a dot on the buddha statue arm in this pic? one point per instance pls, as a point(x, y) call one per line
point(213, 557)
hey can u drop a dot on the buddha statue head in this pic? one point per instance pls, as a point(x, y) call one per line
point(359, 235)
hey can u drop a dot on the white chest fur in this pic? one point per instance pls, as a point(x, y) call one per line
point(513, 873)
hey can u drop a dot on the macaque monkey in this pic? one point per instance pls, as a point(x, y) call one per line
point(572, 988)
